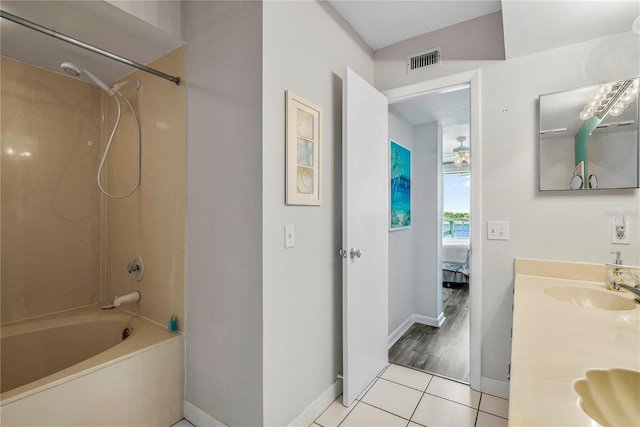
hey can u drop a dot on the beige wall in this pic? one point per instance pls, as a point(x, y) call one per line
point(52, 219)
point(150, 223)
point(50, 239)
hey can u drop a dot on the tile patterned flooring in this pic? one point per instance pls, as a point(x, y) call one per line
point(409, 398)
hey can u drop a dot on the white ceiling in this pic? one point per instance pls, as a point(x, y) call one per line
point(382, 23)
point(529, 25)
point(533, 26)
point(451, 108)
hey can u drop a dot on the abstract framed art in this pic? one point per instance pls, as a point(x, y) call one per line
point(399, 186)
point(303, 151)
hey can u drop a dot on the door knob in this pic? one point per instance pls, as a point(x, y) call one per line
point(342, 253)
point(355, 253)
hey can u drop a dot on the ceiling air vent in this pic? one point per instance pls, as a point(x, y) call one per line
point(426, 59)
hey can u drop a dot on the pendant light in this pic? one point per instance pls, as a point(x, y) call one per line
point(461, 153)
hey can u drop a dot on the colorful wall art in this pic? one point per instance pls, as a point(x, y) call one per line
point(400, 186)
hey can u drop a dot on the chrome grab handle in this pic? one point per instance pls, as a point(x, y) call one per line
point(355, 253)
point(342, 253)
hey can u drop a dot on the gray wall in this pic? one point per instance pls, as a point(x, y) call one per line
point(307, 46)
point(415, 276)
point(401, 242)
point(427, 272)
point(224, 210)
point(567, 226)
point(464, 43)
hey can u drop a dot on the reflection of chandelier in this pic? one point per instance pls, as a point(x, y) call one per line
point(611, 98)
point(461, 153)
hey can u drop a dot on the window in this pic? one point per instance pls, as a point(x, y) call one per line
point(457, 197)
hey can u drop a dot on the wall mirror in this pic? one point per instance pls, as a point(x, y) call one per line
point(589, 137)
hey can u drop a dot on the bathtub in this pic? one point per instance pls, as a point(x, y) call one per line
point(90, 367)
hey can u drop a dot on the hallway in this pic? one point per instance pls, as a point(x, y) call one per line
point(445, 350)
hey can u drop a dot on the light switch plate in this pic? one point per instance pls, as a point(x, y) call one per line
point(289, 236)
point(498, 230)
point(615, 239)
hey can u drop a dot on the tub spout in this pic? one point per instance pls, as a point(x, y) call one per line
point(130, 297)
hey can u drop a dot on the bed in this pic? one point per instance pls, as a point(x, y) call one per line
point(455, 261)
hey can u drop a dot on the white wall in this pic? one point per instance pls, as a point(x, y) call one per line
point(401, 242)
point(427, 273)
point(224, 210)
point(306, 48)
point(566, 226)
point(164, 14)
point(415, 276)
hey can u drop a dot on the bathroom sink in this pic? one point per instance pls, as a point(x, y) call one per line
point(592, 298)
point(610, 397)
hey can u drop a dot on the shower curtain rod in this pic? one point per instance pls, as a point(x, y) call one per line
point(75, 42)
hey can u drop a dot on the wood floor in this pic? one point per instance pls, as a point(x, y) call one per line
point(443, 351)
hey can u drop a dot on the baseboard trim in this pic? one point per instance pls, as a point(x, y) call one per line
point(199, 418)
point(429, 321)
point(495, 387)
point(414, 318)
point(313, 411)
point(400, 330)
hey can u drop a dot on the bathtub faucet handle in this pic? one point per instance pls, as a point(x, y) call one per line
point(136, 267)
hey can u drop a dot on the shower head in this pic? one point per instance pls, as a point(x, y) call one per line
point(75, 71)
point(70, 69)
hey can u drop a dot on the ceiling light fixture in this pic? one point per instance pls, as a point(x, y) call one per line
point(461, 153)
point(611, 98)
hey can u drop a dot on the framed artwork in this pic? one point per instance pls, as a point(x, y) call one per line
point(304, 147)
point(400, 186)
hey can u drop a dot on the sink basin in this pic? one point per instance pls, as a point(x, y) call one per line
point(610, 397)
point(591, 298)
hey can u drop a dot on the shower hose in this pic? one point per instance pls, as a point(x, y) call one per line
point(116, 89)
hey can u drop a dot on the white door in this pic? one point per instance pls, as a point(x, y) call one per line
point(365, 224)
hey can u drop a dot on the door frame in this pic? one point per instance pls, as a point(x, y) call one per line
point(471, 78)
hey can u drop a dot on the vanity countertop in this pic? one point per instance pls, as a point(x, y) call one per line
point(555, 342)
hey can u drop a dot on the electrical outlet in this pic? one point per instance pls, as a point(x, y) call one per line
point(498, 230)
point(289, 236)
point(620, 233)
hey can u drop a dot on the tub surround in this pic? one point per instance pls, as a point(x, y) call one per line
point(141, 375)
point(51, 128)
point(555, 342)
point(151, 222)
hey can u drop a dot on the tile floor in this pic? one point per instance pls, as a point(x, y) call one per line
point(409, 398)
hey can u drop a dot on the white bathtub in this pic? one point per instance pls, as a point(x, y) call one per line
point(74, 368)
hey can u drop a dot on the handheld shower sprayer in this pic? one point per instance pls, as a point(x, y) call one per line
point(75, 71)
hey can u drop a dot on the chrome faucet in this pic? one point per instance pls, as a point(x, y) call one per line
point(618, 260)
point(621, 275)
point(633, 289)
